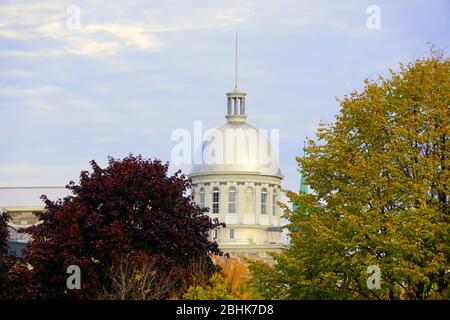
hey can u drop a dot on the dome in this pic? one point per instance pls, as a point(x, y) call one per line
point(236, 177)
point(236, 147)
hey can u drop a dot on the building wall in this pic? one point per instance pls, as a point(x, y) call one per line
point(255, 234)
point(23, 215)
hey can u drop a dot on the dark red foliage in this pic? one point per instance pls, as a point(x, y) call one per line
point(4, 259)
point(4, 218)
point(15, 278)
point(132, 205)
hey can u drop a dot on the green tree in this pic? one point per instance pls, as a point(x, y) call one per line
point(381, 195)
point(218, 288)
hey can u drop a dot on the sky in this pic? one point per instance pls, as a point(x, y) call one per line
point(131, 72)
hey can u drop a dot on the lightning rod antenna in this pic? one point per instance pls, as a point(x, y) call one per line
point(236, 63)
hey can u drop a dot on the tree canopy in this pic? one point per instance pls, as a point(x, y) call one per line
point(4, 217)
point(380, 181)
point(130, 207)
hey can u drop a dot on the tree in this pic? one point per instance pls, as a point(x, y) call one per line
point(15, 277)
point(4, 259)
point(130, 206)
point(380, 177)
point(231, 282)
point(137, 276)
point(4, 218)
point(218, 288)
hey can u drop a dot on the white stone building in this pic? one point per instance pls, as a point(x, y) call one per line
point(238, 178)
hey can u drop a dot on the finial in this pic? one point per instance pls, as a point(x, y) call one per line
point(304, 147)
point(236, 63)
point(236, 98)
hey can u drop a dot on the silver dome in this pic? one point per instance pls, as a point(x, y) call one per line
point(236, 147)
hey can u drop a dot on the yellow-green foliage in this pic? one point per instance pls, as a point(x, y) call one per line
point(233, 282)
point(380, 176)
point(219, 288)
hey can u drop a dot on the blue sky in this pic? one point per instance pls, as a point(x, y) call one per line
point(137, 70)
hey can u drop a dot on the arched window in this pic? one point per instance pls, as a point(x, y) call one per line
point(263, 201)
point(202, 197)
point(274, 203)
point(248, 200)
point(232, 200)
point(215, 200)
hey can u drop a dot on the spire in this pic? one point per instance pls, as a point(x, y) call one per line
point(236, 62)
point(303, 186)
point(236, 98)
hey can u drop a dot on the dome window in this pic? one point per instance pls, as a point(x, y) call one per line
point(215, 200)
point(231, 234)
point(232, 200)
point(264, 201)
point(274, 203)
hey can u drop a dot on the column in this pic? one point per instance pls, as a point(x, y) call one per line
point(263, 219)
point(257, 202)
point(223, 207)
point(240, 202)
point(277, 210)
point(269, 203)
point(208, 196)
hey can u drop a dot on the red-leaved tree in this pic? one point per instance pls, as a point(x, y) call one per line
point(132, 205)
point(4, 217)
point(15, 277)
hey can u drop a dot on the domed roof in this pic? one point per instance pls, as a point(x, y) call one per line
point(236, 147)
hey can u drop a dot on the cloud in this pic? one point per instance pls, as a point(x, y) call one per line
point(52, 104)
point(28, 92)
point(27, 174)
point(108, 29)
point(136, 70)
point(17, 73)
point(47, 33)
